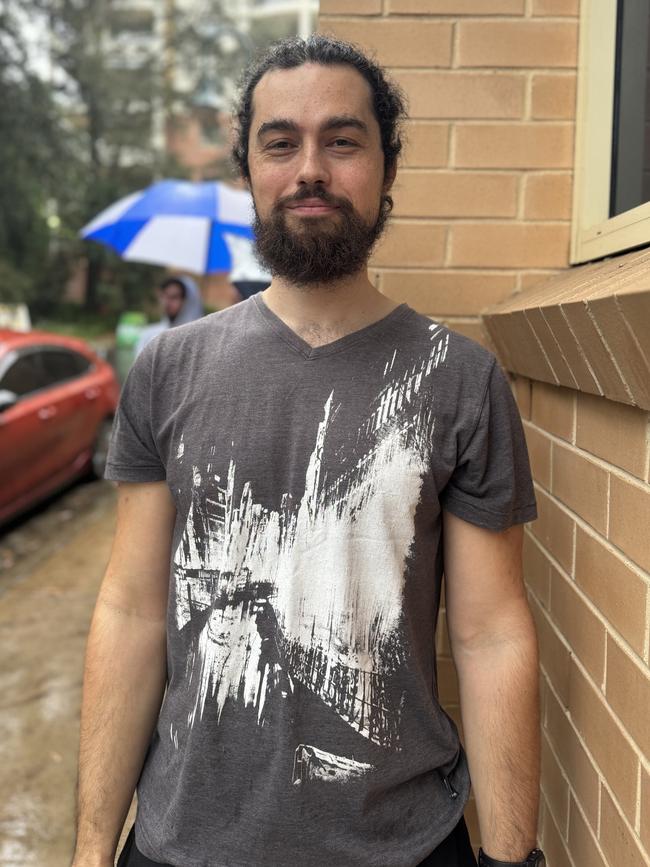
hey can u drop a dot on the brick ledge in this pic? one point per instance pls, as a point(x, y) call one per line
point(588, 328)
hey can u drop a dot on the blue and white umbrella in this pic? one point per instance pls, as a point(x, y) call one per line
point(182, 224)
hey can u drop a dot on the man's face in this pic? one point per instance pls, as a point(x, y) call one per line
point(316, 172)
point(171, 299)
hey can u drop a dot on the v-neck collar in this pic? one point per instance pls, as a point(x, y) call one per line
point(303, 348)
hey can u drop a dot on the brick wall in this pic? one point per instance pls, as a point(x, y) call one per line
point(482, 211)
point(482, 202)
point(587, 566)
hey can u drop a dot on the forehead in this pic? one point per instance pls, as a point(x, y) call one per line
point(312, 91)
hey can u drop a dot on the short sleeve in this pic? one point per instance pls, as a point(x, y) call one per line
point(132, 454)
point(491, 485)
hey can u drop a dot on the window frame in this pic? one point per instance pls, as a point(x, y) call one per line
point(593, 233)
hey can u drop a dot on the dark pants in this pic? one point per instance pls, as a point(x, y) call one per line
point(454, 851)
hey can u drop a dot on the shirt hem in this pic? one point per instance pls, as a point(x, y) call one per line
point(489, 519)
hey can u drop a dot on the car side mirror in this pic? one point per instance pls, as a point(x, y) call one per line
point(7, 399)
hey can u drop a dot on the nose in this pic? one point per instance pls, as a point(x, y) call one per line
point(312, 168)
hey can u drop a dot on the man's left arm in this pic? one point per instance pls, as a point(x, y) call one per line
point(494, 645)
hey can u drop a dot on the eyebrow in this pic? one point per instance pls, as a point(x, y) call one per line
point(337, 122)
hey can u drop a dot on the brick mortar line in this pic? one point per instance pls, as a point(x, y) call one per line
point(469, 221)
point(424, 269)
point(602, 779)
point(563, 834)
point(578, 343)
point(576, 385)
point(610, 629)
point(646, 640)
point(541, 346)
point(619, 472)
point(637, 818)
point(609, 351)
point(571, 791)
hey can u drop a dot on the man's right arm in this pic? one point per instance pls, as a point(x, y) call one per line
point(125, 671)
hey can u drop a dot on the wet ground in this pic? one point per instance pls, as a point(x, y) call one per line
point(51, 565)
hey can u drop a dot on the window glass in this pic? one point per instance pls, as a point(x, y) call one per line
point(630, 179)
point(61, 364)
point(24, 375)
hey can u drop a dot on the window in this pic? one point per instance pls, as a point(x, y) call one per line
point(61, 364)
point(611, 209)
point(25, 375)
point(42, 368)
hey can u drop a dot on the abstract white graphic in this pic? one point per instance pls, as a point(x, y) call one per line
point(310, 595)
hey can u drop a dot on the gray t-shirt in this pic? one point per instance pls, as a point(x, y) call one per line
point(301, 724)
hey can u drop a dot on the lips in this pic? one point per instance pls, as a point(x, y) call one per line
point(312, 206)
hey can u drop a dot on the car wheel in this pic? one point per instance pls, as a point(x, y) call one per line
point(100, 449)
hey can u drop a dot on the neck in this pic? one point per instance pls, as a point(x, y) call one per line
point(321, 313)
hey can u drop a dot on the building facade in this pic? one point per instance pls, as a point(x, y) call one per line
point(518, 202)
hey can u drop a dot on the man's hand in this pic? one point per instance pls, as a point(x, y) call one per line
point(125, 671)
point(494, 645)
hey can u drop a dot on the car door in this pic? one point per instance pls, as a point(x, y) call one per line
point(27, 435)
point(77, 400)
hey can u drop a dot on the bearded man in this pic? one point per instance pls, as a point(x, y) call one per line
point(294, 474)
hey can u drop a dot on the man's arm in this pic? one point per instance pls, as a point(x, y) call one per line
point(125, 672)
point(494, 645)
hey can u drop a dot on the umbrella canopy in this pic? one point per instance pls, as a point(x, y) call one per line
point(177, 223)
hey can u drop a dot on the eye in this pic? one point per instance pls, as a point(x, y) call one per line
point(343, 142)
point(280, 145)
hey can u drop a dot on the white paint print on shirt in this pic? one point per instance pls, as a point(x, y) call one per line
point(311, 594)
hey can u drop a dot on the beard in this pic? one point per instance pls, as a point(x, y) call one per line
point(322, 249)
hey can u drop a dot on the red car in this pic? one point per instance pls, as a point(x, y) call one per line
point(57, 400)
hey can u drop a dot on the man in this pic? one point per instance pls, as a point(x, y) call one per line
point(293, 469)
point(180, 302)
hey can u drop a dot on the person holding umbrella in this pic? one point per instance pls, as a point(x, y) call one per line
point(295, 473)
point(180, 301)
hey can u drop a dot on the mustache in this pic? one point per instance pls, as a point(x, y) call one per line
point(314, 192)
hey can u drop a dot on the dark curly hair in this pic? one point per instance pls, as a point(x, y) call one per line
point(388, 101)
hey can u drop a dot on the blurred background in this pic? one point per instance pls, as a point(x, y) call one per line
point(99, 99)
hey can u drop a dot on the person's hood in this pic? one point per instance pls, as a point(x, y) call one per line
point(193, 305)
